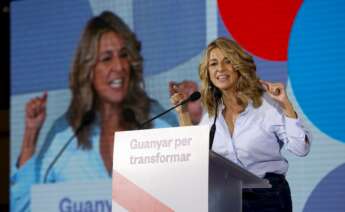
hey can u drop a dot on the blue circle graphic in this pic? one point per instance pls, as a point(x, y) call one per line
point(316, 64)
point(329, 194)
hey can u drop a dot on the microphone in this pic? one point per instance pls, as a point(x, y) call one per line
point(86, 120)
point(217, 95)
point(193, 97)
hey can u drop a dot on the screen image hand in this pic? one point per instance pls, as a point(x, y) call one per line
point(35, 114)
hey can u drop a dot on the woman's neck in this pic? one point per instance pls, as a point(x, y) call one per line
point(111, 116)
point(231, 103)
point(111, 121)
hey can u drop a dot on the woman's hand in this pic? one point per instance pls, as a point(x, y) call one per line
point(176, 97)
point(278, 93)
point(35, 114)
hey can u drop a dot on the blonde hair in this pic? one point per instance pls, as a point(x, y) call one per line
point(84, 98)
point(247, 87)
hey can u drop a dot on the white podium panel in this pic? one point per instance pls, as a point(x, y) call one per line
point(161, 169)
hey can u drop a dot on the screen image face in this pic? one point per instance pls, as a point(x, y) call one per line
point(301, 46)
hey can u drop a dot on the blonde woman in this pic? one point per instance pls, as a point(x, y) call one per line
point(106, 80)
point(254, 120)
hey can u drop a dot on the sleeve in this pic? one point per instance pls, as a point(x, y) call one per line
point(29, 174)
point(296, 137)
point(21, 182)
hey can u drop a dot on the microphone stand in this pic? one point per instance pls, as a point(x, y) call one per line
point(217, 95)
point(193, 97)
point(87, 119)
point(213, 128)
point(157, 116)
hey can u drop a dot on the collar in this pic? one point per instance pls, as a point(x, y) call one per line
point(248, 108)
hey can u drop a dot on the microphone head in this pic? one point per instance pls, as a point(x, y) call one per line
point(194, 96)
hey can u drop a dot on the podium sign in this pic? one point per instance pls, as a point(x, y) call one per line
point(161, 170)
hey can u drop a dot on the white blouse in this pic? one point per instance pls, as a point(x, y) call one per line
point(258, 137)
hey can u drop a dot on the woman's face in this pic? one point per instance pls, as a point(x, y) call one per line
point(221, 71)
point(112, 71)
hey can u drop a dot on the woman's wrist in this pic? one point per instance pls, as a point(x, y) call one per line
point(184, 118)
point(29, 144)
point(30, 128)
point(289, 110)
point(24, 156)
point(30, 135)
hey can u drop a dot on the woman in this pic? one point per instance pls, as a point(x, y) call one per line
point(106, 83)
point(254, 119)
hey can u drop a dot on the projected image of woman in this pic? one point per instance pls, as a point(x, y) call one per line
point(106, 83)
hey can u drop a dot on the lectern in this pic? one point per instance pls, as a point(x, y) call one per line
point(171, 169)
point(226, 181)
point(157, 170)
